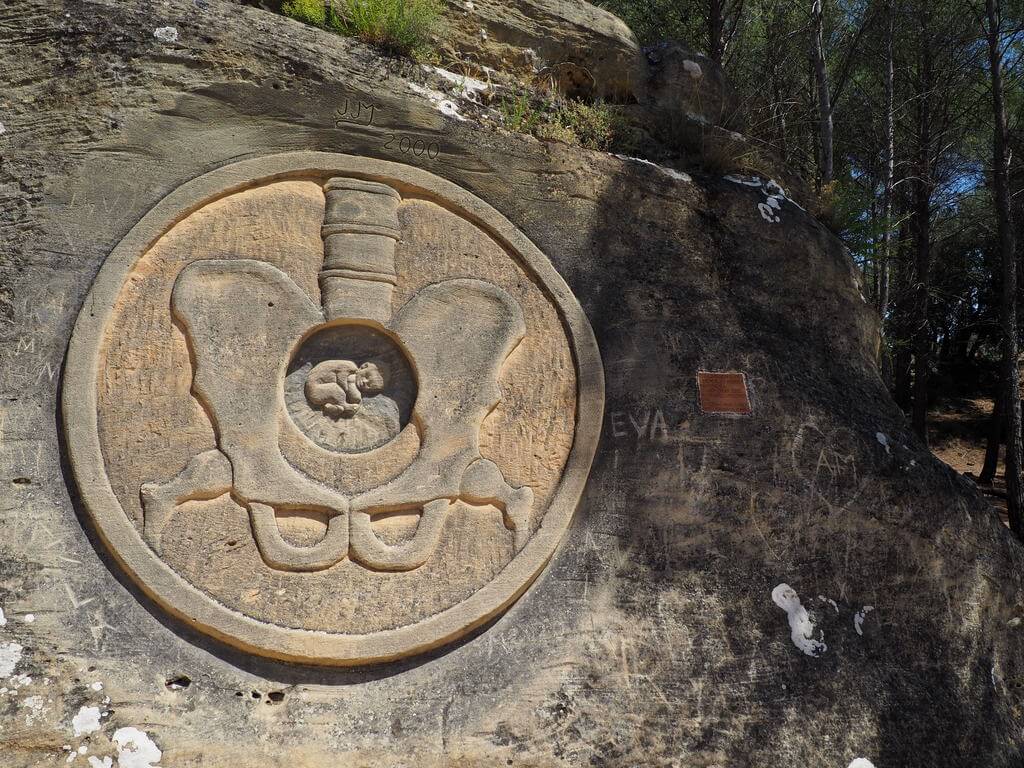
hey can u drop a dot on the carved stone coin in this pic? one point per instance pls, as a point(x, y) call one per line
point(330, 409)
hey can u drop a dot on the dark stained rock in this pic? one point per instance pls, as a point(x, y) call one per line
point(688, 85)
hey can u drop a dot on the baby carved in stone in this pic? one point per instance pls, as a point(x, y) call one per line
point(337, 386)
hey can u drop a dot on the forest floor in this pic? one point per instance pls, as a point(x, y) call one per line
point(957, 433)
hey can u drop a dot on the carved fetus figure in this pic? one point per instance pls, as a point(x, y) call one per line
point(337, 386)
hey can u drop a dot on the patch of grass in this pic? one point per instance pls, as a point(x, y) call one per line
point(718, 156)
point(309, 11)
point(593, 126)
point(403, 27)
point(520, 114)
point(398, 26)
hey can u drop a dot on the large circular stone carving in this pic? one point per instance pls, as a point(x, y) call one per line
point(330, 409)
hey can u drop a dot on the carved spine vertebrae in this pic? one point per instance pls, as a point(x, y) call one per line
point(360, 231)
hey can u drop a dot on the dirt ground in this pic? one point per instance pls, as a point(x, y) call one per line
point(957, 432)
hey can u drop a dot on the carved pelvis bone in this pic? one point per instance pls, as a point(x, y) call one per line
point(244, 319)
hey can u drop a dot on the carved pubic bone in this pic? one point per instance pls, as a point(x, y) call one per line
point(244, 321)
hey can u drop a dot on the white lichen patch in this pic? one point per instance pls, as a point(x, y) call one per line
point(10, 655)
point(166, 34)
point(34, 707)
point(19, 681)
point(3, 619)
point(95, 762)
point(858, 618)
point(769, 210)
point(468, 87)
point(800, 624)
point(693, 69)
point(28, 618)
point(672, 173)
point(861, 762)
point(3, 129)
point(751, 181)
point(883, 440)
point(135, 749)
point(774, 196)
point(829, 601)
point(442, 103)
point(86, 721)
point(449, 108)
point(97, 686)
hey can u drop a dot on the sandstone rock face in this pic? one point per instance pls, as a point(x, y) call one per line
point(764, 568)
point(582, 50)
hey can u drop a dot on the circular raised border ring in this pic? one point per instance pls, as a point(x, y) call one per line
point(191, 605)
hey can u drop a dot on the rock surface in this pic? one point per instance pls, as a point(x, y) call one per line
point(802, 586)
point(582, 50)
point(686, 87)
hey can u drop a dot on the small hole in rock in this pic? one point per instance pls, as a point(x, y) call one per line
point(238, 693)
point(22, 481)
point(178, 683)
point(256, 694)
point(270, 303)
point(275, 697)
point(232, 543)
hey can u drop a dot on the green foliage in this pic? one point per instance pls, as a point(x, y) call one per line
point(397, 26)
point(656, 20)
point(519, 114)
point(405, 27)
point(593, 126)
point(941, 210)
point(309, 11)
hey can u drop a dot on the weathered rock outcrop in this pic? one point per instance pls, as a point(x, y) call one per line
point(582, 50)
point(685, 86)
point(803, 585)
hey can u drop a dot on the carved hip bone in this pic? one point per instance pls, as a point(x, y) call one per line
point(244, 320)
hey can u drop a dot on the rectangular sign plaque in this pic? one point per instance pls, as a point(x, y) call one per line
point(724, 392)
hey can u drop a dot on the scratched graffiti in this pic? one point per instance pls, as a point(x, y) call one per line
point(827, 464)
point(355, 110)
point(645, 424)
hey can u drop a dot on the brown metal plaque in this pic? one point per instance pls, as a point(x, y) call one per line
point(723, 392)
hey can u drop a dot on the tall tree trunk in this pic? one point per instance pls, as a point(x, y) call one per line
point(716, 30)
point(922, 230)
point(996, 426)
point(1008, 254)
point(779, 110)
point(822, 86)
point(902, 332)
point(870, 278)
point(889, 170)
point(921, 324)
